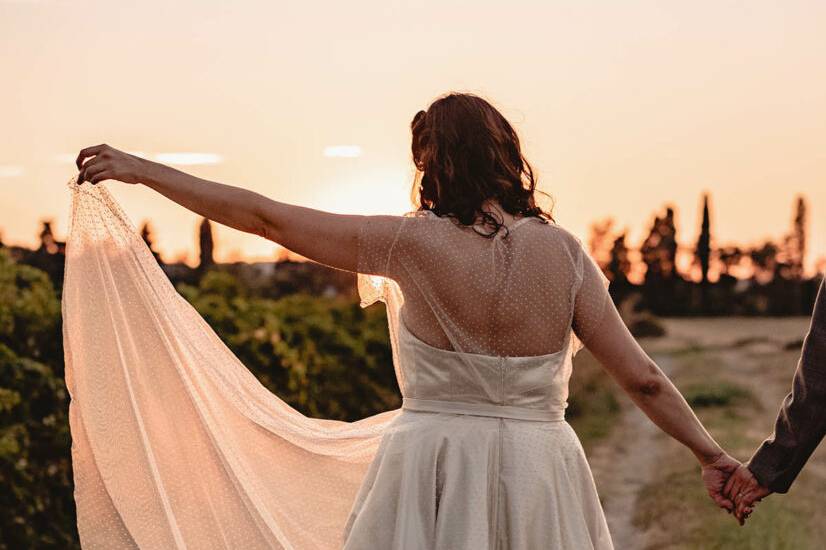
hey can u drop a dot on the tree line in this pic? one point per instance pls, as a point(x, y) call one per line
point(667, 279)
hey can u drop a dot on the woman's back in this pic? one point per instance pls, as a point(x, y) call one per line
point(517, 293)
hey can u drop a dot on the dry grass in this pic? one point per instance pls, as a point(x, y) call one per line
point(592, 406)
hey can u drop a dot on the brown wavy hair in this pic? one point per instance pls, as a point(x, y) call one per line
point(466, 153)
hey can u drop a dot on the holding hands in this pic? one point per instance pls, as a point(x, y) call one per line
point(732, 486)
point(744, 490)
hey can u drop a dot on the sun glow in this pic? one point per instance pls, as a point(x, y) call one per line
point(344, 151)
point(11, 171)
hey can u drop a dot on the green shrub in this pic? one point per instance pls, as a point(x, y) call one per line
point(646, 326)
point(721, 394)
point(36, 502)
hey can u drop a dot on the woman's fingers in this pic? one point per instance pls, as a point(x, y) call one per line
point(89, 152)
point(100, 176)
point(742, 513)
point(92, 172)
point(735, 485)
point(746, 504)
point(741, 507)
point(105, 162)
point(734, 490)
point(90, 168)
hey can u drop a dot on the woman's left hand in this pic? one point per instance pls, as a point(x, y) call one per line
point(108, 163)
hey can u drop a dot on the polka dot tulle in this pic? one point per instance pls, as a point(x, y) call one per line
point(518, 293)
point(177, 445)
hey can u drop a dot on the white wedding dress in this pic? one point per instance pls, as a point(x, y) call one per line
point(177, 445)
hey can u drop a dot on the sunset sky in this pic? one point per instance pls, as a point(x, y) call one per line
point(622, 107)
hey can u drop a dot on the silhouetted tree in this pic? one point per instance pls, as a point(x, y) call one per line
point(47, 240)
point(794, 256)
point(146, 235)
point(205, 245)
point(659, 253)
point(611, 253)
point(48, 256)
point(798, 250)
point(618, 269)
point(619, 266)
point(599, 241)
point(659, 250)
point(703, 251)
point(730, 257)
point(764, 261)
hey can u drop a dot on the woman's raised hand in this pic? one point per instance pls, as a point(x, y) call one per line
point(108, 163)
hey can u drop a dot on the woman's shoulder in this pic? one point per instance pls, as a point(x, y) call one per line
point(424, 216)
point(561, 241)
point(419, 214)
point(563, 234)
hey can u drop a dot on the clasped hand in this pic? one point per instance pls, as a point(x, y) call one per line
point(732, 486)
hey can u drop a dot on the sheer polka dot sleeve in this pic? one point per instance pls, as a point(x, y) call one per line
point(378, 236)
point(590, 301)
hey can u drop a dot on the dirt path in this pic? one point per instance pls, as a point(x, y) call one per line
point(624, 463)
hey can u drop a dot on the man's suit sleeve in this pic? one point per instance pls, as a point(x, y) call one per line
point(801, 423)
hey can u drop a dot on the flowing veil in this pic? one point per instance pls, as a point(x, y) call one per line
point(176, 444)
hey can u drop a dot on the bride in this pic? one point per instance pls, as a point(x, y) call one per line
point(177, 445)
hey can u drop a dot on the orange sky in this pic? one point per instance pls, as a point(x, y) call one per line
point(622, 106)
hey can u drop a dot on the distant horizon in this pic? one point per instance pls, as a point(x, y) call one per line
point(812, 264)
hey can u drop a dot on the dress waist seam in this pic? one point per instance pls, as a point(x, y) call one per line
point(482, 409)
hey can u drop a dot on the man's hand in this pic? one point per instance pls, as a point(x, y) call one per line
point(744, 490)
point(715, 475)
point(108, 163)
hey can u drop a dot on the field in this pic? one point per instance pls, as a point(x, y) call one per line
point(734, 372)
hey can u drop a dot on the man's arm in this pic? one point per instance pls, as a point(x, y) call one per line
point(801, 423)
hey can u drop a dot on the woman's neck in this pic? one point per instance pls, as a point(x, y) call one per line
point(493, 206)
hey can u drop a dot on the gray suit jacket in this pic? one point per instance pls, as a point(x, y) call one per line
point(801, 423)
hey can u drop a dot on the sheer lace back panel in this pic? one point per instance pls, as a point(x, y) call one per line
point(531, 291)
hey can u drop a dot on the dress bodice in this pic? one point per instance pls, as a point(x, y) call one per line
point(525, 387)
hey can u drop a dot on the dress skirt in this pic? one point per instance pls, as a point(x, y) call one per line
point(444, 481)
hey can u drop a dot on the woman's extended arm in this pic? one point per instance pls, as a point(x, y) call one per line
point(330, 239)
point(620, 354)
point(651, 390)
